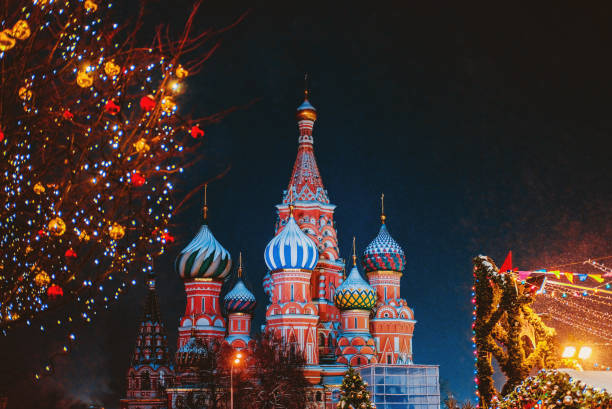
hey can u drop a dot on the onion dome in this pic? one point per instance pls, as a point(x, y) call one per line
point(268, 284)
point(291, 248)
point(306, 112)
point(192, 353)
point(239, 299)
point(203, 257)
point(355, 293)
point(383, 253)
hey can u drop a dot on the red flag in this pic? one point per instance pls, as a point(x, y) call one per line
point(507, 266)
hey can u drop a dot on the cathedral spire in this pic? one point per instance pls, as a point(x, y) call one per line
point(382, 209)
point(306, 183)
point(205, 208)
point(155, 351)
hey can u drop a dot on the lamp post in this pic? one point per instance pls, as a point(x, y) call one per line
point(235, 361)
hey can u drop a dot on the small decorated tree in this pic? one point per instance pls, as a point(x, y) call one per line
point(354, 394)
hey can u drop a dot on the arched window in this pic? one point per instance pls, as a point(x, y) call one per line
point(145, 381)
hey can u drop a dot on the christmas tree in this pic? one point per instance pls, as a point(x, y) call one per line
point(354, 394)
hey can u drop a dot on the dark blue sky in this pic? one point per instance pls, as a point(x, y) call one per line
point(486, 126)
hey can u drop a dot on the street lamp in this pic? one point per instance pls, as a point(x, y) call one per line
point(235, 361)
point(583, 354)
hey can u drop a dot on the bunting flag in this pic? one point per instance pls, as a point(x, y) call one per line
point(569, 276)
point(597, 277)
point(507, 266)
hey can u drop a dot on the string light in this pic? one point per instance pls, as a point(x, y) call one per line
point(76, 222)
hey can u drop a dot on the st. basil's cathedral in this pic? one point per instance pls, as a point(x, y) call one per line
point(336, 320)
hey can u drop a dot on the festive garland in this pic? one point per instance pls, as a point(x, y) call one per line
point(501, 311)
point(552, 389)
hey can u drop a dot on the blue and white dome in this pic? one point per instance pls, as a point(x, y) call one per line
point(239, 299)
point(291, 248)
point(204, 257)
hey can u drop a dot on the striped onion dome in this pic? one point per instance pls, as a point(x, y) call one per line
point(355, 293)
point(291, 248)
point(383, 253)
point(239, 299)
point(204, 257)
point(268, 284)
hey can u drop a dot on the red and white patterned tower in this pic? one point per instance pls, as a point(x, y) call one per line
point(203, 265)
point(239, 304)
point(393, 322)
point(314, 214)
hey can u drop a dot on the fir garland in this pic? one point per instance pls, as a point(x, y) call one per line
point(554, 389)
point(503, 310)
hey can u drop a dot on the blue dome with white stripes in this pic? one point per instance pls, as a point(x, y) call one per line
point(291, 248)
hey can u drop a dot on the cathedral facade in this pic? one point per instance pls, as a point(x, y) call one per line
point(337, 320)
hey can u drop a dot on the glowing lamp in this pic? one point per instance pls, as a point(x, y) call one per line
point(568, 352)
point(585, 352)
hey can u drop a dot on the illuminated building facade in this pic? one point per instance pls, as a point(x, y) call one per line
point(335, 321)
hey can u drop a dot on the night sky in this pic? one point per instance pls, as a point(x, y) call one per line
point(487, 127)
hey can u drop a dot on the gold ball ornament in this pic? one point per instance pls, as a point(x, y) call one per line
point(39, 188)
point(111, 69)
point(90, 6)
point(168, 105)
point(142, 146)
point(117, 231)
point(84, 236)
point(181, 72)
point(25, 94)
point(42, 278)
point(57, 227)
point(21, 30)
point(567, 400)
point(84, 79)
point(6, 40)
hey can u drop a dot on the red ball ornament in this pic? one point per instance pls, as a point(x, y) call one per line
point(41, 232)
point(1, 135)
point(196, 132)
point(55, 291)
point(111, 107)
point(70, 253)
point(167, 237)
point(147, 103)
point(137, 179)
point(68, 115)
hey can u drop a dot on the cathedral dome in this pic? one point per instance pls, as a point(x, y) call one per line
point(268, 284)
point(239, 299)
point(383, 253)
point(291, 248)
point(355, 293)
point(204, 257)
point(192, 353)
point(306, 111)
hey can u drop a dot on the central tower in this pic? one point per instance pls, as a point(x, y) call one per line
point(314, 214)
